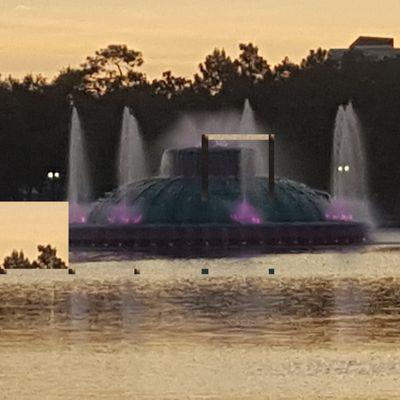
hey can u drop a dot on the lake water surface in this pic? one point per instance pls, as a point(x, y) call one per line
point(325, 325)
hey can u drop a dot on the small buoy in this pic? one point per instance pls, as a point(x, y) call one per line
point(204, 271)
point(71, 271)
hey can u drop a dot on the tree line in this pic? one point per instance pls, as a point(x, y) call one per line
point(298, 101)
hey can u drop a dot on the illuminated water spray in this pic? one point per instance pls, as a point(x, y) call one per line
point(79, 185)
point(349, 177)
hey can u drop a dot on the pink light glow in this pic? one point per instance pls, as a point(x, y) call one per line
point(78, 213)
point(245, 213)
point(122, 214)
point(338, 210)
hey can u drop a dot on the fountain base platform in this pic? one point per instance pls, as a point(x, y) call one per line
point(157, 238)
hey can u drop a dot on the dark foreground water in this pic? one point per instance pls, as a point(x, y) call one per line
point(324, 326)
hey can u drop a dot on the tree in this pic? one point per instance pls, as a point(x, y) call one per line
point(314, 58)
point(216, 74)
point(170, 86)
point(34, 83)
point(251, 66)
point(16, 260)
point(48, 259)
point(286, 69)
point(112, 68)
point(69, 79)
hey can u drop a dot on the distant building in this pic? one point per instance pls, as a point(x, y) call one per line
point(374, 48)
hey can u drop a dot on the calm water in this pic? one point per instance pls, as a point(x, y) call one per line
point(326, 325)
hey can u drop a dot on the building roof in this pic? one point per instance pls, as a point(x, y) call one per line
point(372, 41)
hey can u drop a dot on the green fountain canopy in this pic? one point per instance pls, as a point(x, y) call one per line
point(175, 198)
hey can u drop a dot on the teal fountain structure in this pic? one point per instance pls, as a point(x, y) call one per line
point(210, 197)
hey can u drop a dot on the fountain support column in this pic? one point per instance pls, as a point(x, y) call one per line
point(271, 165)
point(204, 168)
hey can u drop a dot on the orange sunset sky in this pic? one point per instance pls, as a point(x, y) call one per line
point(42, 36)
point(24, 225)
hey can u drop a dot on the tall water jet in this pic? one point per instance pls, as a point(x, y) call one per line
point(79, 185)
point(132, 164)
point(248, 124)
point(349, 178)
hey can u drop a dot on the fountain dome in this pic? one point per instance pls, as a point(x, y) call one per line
point(171, 212)
point(236, 195)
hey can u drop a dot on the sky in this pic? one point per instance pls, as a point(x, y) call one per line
point(43, 36)
point(24, 225)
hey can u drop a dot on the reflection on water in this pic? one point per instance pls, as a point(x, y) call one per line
point(325, 326)
point(314, 312)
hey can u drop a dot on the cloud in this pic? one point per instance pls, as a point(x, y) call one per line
point(22, 8)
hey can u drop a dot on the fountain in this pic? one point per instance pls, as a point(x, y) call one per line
point(79, 186)
point(169, 211)
point(198, 200)
point(349, 183)
point(132, 164)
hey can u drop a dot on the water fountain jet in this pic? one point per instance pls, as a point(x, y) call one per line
point(349, 183)
point(79, 185)
point(132, 164)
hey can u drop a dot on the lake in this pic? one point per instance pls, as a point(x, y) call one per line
point(324, 325)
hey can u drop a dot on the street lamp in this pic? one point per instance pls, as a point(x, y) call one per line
point(343, 168)
point(53, 177)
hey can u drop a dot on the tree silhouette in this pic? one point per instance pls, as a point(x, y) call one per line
point(251, 66)
point(314, 58)
point(16, 260)
point(170, 86)
point(47, 259)
point(217, 73)
point(112, 68)
point(285, 69)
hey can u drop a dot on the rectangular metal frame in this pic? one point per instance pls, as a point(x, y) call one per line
point(206, 138)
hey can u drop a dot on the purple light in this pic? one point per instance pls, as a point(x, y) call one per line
point(124, 215)
point(78, 213)
point(245, 213)
point(338, 210)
